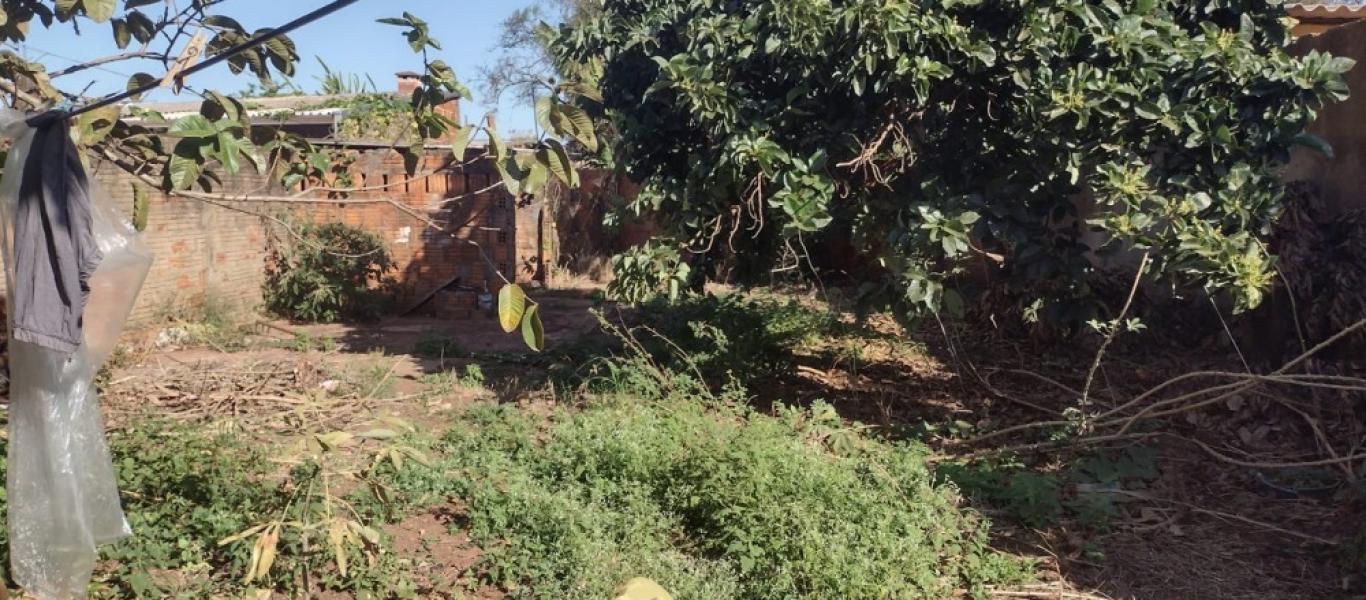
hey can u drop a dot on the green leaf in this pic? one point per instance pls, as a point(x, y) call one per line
point(138, 80)
point(184, 166)
point(556, 159)
point(137, 3)
point(460, 142)
point(141, 26)
point(94, 126)
point(142, 206)
point(99, 11)
point(533, 332)
point(227, 153)
point(511, 307)
point(122, 34)
point(581, 90)
point(192, 126)
point(544, 106)
point(497, 149)
point(224, 22)
point(571, 121)
point(217, 107)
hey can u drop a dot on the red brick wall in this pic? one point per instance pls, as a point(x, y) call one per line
point(204, 250)
point(200, 249)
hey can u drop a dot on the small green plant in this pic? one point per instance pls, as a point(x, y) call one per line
point(304, 342)
point(435, 345)
point(445, 382)
point(648, 272)
point(373, 377)
point(332, 272)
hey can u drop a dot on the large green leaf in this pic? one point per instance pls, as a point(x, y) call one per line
point(511, 307)
point(572, 121)
point(192, 126)
point(184, 166)
point(460, 142)
point(99, 10)
point(533, 332)
point(138, 80)
point(544, 106)
point(227, 153)
point(557, 160)
point(122, 34)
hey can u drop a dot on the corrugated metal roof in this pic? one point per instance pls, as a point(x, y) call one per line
point(1333, 11)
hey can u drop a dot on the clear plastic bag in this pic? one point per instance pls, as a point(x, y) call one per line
point(62, 495)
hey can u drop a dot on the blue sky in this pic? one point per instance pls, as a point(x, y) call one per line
point(350, 41)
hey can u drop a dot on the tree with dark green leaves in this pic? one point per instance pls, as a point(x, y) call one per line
point(1029, 136)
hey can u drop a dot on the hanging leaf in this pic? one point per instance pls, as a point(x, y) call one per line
point(99, 11)
point(511, 307)
point(94, 126)
point(497, 149)
point(227, 153)
point(544, 106)
point(558, 161)
point(537, 174)
point(572, 121)
point(122, 34)
point(142, 27)
point(192, 126)
point(581, 90)
point(138, 80)
point(533, 332)
point(460, 143)
point(142, 206)
point(184, 166)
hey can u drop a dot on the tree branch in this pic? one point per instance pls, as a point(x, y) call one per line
point(106, 60)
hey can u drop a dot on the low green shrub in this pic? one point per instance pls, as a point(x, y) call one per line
point(332, 272)
point(712, 502)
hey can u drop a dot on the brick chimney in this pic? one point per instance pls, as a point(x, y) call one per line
point(409, 81)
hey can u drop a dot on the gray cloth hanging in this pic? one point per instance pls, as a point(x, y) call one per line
point(54, 246)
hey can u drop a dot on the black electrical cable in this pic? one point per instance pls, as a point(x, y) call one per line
point(217, 58)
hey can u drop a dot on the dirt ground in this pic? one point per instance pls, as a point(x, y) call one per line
point(1205, 529)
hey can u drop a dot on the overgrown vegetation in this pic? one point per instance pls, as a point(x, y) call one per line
point(730, 338)
point(710, 500)
point(1022, 135)
point(331, 272)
